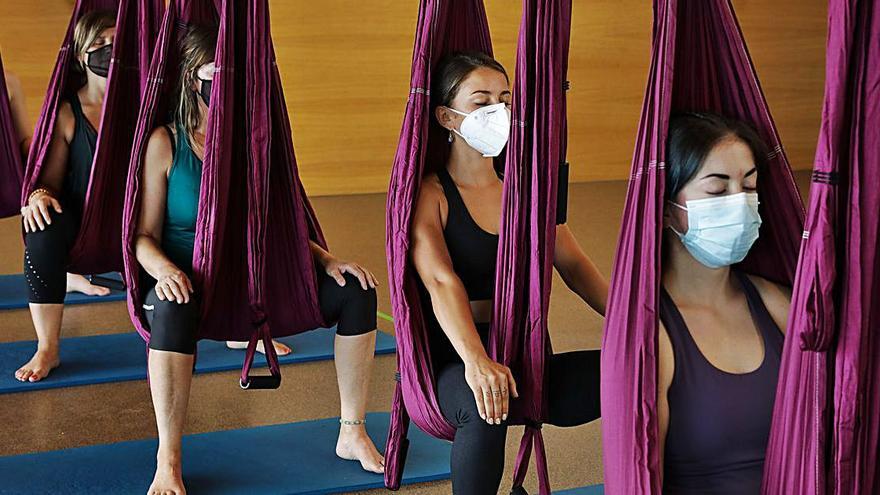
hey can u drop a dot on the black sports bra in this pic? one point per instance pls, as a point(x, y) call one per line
point(473, 250)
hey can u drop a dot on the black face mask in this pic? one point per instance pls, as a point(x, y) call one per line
point(205, 92)
point(98, 61)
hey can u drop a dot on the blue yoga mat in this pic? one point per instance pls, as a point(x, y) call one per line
point(587, 490)
point(296, 458)
point(122, 357)
point(14, 293)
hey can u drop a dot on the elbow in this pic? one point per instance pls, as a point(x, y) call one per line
point(439, 282)
point(143, 239)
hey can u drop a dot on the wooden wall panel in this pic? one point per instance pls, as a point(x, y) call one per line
point(345, 66)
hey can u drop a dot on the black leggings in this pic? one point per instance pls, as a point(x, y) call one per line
point(478, 448)
point(173, 326)
point(46, 255)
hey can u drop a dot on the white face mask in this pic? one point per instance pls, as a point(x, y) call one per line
point(486, 129)
point(721, 230)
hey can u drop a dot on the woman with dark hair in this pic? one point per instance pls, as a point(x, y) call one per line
point(721, 334)
point(51, 217)
point(454, 248)
point(171, 182)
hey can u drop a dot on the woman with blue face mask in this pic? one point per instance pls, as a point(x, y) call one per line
point(721, 337)
point(454, 250)
point(51, 217)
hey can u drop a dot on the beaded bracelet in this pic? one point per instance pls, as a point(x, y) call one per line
point(38, 190)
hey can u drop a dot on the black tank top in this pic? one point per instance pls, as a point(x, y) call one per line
point(473, 253)
point(81, 154)
point(473, 250)
point(719, 422)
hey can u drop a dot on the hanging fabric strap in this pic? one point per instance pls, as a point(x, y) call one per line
point(271, 381)
point(533, 439)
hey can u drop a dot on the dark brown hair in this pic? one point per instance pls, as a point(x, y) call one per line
point(453, 70)
point(691, 138)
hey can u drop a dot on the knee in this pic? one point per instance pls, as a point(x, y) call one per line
point(355, 295)
point(457, 400)
point(48, 241)
point(359, 308)
point(173, 326)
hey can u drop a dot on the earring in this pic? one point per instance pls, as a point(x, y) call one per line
point(451, 137)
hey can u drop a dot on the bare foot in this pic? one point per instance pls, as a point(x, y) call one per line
point(78, 283)
point(39, 366)
point(355, 445)
point(168, 479)
point(280, 349)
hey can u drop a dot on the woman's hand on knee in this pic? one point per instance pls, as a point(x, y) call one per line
point(492, 384)
point(337, 269)
point(36, 215)
point(174, 285)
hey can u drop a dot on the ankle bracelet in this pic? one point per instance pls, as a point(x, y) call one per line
point(354, 422)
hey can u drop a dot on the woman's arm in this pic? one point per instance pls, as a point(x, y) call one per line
point(578, 271)
point(172, 283)
point(665, 372)
point(450, 304)
point(19, 112)
point(35, 216)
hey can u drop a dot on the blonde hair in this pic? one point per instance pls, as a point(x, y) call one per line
point(196, 50)
point(87, 29)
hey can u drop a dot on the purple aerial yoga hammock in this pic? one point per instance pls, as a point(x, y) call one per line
point(699, 62)
point(246, 222)
point(11, 166)
point(825, 431)
point(518, 337)
point(97, 246)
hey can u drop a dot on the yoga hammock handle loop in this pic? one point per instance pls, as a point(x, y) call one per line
point(272, 381)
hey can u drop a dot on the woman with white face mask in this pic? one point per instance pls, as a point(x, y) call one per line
point(454, 249)
point(721, 335)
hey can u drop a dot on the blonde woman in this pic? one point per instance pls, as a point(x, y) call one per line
point(52, 215)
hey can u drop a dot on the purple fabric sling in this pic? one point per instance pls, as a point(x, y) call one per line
point(518, 337)
point(11, 166)
point(825, 431)
point(97, 248)
point(699, 62)
point(253, 211)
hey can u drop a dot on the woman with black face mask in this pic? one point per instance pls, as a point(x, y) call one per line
point(52, 214)
point(164, 247)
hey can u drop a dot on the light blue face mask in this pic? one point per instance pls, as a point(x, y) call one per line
point(721, 230)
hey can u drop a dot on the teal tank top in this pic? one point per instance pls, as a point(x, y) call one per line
point(182, 203)
point(81, 154)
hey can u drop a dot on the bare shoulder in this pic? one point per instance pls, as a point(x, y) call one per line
point(65, 123)
point(159, 150)
point(430, 187)
point(431, 197)
point(776, 297)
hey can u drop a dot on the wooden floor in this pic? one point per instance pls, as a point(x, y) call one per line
point(98, 414)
